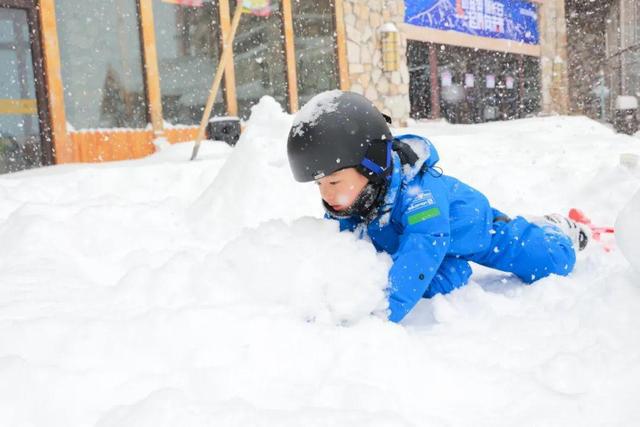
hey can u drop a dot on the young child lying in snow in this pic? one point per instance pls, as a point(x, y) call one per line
point(390, 189)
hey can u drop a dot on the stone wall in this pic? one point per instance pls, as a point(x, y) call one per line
point(389, 91)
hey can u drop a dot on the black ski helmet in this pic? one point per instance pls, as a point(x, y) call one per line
point(337, 130)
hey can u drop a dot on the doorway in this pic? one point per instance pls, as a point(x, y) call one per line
point(25, 136)
point(471, 85)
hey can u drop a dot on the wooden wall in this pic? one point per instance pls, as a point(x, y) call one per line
point(122, 144)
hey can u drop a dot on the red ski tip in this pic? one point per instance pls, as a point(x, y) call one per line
point(578, 216)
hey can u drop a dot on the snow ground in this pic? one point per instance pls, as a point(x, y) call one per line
point(164, 292)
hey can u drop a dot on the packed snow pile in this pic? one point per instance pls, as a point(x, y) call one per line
point(165, 292)
point(242, 194)
point(628, 231)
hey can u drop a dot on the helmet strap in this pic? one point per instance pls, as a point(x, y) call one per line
point(374, 167)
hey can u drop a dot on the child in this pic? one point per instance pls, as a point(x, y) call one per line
point(432, 225)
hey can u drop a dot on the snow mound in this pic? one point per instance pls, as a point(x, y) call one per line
point(306, 267)
point(242, 194)
point(628, 231)
point(166, 292)
point(306, 270)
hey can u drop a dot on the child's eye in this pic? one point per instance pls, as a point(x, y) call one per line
point(334, 182)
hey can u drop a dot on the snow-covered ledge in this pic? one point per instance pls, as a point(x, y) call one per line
point(389, 91)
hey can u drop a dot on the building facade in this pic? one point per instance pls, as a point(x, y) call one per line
point(604, 55)
point(99, 80)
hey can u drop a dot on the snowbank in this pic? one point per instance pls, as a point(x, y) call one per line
point(165, 292)
point(255, 184)
point(628, 231)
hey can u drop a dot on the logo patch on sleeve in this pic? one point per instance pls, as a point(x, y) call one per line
point(421, 201)
point(423, 215)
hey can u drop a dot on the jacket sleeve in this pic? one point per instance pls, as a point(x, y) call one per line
point(453, 273)
point(424, 243)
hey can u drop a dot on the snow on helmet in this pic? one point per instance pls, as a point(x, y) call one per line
point(337, 130)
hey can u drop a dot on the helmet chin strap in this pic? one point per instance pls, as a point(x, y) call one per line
point(369, 198)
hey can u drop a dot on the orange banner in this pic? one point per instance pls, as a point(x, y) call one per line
point(190, 3)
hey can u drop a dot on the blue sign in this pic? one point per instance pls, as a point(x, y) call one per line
point(498, 19)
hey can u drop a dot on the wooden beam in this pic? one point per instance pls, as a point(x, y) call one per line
point(520, 84)
point(229, 70)
point(454, 38)
point(341, 45)
point(41, 104)
point(19, 106)
point(152, 73)
point(289, 48)
point(63, 147)
point(217, 79)
point(433, 82)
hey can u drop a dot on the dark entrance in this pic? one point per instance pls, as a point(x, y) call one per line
point(473, 85)
point(25, 137)
point(419, 80)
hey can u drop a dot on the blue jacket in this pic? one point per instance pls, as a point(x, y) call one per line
point(431, 225)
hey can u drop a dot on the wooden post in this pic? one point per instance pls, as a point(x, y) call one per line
point(63, 147)
point(289, 48)
point(228, 46)
point(229, 72)
point(433, 82)
point(341, 45)
point(152, 74)
point(520, 85)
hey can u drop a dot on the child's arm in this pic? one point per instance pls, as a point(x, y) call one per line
point(423, 246)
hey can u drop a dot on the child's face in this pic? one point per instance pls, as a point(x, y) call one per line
point(341, 188)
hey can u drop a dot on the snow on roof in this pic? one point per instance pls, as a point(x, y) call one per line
point(626, 102)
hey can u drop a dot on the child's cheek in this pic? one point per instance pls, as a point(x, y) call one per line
point(344, 199)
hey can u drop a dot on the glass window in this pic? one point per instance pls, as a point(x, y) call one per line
point(315, 45)
point(637, 23)
point(187, 39)
point(531, 85)
point(259, 58)
point(101, 63)
point(419, 79)
point(631, 73)
point(614, 80)
point(20, 146)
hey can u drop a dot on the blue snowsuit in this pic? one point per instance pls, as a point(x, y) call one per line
point(432, 225)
